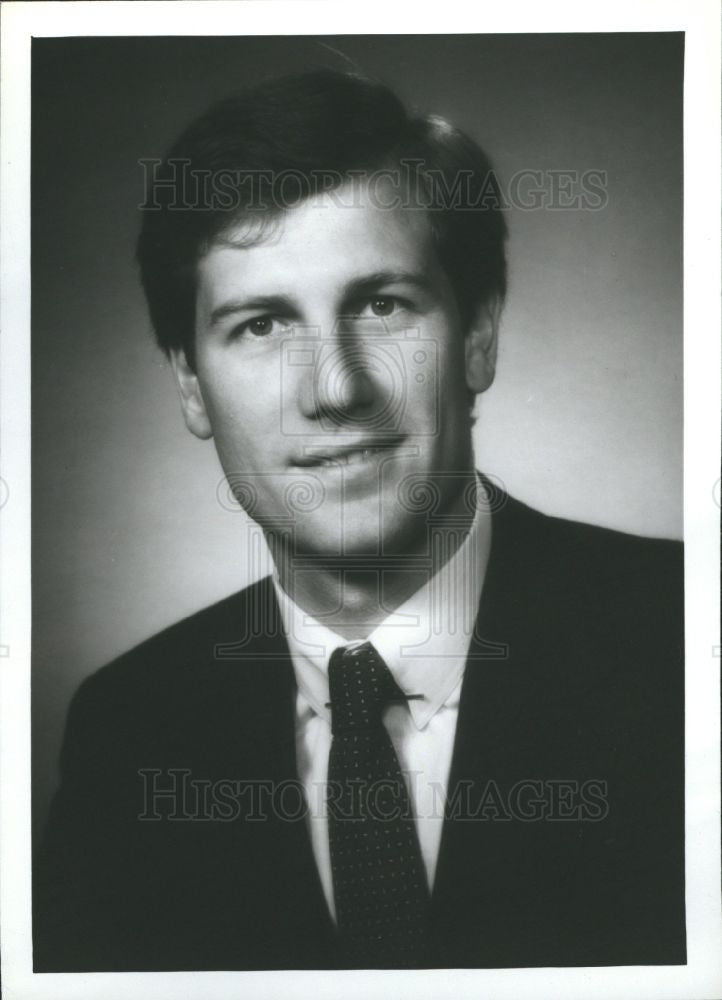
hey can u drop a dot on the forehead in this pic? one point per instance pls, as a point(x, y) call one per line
point(330, 240)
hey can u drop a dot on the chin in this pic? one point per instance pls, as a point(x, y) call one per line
point(324, 544)
point(355, 540)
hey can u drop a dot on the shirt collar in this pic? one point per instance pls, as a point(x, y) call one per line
point(425, 642)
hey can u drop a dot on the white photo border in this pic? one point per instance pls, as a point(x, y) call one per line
point(701, 978)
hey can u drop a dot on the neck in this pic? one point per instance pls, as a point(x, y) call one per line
point(352, 602)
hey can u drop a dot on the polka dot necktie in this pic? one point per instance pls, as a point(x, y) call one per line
point(379, 879)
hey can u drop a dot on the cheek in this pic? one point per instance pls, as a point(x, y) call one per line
point(448, 385)
point(453, 361)
point(449, 344)
point(242, 404)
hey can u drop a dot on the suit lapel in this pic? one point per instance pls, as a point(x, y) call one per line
point(498, 714)
point(293, 896)
point(510, 883)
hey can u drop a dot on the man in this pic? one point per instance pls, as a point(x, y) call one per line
point(447, 731)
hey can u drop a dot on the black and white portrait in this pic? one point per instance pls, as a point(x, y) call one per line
point(358, 578)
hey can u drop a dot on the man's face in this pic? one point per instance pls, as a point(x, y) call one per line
point(334, 376)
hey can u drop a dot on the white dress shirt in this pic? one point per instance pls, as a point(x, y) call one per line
point(425, 644)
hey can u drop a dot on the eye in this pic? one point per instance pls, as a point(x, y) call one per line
point(259, 326)
point(382, 305)
point(378, 305)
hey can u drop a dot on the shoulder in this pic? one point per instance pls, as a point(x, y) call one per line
point(574, 547)
point(192, 654)
point(597, 618)
point(586, 576)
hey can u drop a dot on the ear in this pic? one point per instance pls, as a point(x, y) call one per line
point(480, 345)
point(192, 404)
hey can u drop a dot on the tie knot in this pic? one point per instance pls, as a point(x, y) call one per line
point(360, 685)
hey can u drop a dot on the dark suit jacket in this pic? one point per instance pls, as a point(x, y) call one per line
point(564, 841)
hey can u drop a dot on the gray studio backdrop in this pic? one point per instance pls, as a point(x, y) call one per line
point(585, 419)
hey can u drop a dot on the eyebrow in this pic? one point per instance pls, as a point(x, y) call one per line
point(269, 303)
point(356, 288)
point(370, 282)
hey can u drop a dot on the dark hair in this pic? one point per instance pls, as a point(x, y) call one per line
point(255, 155)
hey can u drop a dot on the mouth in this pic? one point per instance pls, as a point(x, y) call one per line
point(358, 453)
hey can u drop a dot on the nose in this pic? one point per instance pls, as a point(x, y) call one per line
point(340, 384)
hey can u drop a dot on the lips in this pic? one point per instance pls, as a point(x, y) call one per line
point(355, 453)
